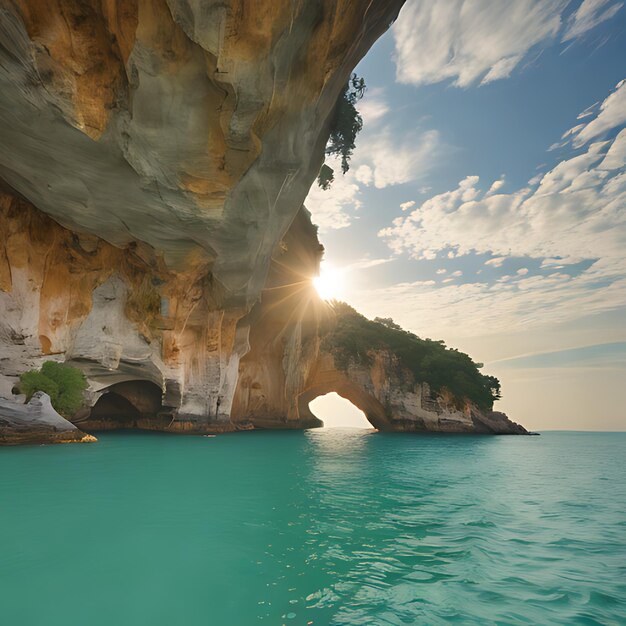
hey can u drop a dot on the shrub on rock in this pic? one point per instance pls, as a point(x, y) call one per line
point(63, 383)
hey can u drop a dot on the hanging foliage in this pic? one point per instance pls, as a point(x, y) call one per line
point(346, 125)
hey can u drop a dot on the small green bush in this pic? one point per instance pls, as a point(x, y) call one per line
point(63, 383)
point(33, 381)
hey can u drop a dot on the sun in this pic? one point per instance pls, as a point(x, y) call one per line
point(329, 283)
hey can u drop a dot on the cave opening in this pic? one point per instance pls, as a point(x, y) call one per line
point(128, 404)
point(338, 412)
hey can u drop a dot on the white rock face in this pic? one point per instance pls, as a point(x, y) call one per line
point(36, 422)
point(107, 336)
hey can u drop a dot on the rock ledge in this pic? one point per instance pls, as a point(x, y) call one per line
point(36, 422)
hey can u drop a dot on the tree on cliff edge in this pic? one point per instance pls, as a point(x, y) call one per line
point(347, 123)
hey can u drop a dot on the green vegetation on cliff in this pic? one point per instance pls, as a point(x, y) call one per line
point(346, 124)
point(63, 383)
point(352, 338)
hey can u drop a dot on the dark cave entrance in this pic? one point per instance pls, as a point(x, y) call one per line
point(130, 404)
point(113, 406)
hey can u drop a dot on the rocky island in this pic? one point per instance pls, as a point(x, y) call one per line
point(156, 155)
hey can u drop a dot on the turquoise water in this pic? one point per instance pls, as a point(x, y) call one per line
point(321, 527)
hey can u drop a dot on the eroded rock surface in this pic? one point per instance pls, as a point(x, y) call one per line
point(280, 377)
point(195, 127)
point(118, 314)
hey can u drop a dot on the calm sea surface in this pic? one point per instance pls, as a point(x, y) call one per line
point(322, 527)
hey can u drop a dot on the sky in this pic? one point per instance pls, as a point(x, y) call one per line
point(486, 200)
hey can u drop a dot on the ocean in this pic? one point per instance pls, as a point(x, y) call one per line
point(322, 527)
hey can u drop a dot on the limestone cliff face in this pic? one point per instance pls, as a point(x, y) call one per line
point(155, 155)
point(289, 364)
point(284, 336)
point(173, 143)
point(119, 314)
point(285, 371)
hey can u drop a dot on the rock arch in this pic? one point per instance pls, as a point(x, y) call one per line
point(326, 378)
point(336, 411)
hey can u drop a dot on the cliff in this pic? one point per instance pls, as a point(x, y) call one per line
point(155, 158)
point(298, 355)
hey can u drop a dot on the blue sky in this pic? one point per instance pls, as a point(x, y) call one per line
point(472, 215)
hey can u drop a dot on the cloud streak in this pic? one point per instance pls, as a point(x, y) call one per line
point(588, 15)
point(471, 41)
point(612, 114)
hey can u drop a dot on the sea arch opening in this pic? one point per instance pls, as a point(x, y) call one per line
point(330, 381)
point(338, 412)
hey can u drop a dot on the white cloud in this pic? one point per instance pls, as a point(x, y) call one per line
point(502, 69)
point(394, 160)
point(480, 308)
point(573, 131)
point(373, 107)
point(588, 15)
point(364, 174)
point(405, 206)
point(497, 184)
point(588, 111)
point(334, 208)
point(364, 264)
point(470, 41)
point(616, 156)
point(576, 212)
point(612, 114)
point(557, 145)
point(441, 271)
point(457, 273)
